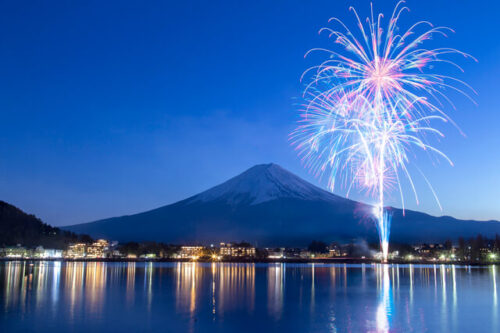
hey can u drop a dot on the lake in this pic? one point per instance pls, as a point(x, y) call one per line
point(232, 297)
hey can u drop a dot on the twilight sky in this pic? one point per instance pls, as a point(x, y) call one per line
point(116, 107)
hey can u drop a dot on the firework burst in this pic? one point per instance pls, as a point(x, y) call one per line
point(369, 103)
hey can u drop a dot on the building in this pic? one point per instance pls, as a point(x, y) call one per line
point(293, 252)
point(236, 250)
point(15, 252)
point(305, 254)
point(78, 250)
point(275, 253)
point(190, 252)
point(334, 250)
point(98, 249)
point(42, 253)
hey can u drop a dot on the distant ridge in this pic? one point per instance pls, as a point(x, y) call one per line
point(269, 205)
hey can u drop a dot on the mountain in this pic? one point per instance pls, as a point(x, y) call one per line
point(269, 206)
point(17, 227)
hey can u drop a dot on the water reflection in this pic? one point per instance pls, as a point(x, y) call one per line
point(236, 283)
point(130, 289)
point(494, 280)
point(315, 297)
point(56, 273)
point(95, 284)
point(275, 285)
point(15, 285)
point(384, 310)
point(495, 309)
point(186, 279)
point(231, 286)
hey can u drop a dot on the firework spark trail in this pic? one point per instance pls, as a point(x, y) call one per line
point(369, 103)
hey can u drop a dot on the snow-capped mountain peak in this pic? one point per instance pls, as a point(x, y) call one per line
point(261, 183)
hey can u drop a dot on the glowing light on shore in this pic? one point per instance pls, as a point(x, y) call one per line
point(369, 103)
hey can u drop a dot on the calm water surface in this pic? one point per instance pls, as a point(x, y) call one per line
point(226, 297)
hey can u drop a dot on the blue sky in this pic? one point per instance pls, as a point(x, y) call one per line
point(115, 107)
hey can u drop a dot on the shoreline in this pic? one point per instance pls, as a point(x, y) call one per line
point(262, 261)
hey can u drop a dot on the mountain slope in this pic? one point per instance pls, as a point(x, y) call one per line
point(270, 206)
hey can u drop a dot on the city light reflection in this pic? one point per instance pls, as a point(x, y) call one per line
point(95, 284)
point(130, 290)
point(493, 269)
point(393, 298)
point(56, 278)
point(495, 314)
point(275, 289)
point(187, 282)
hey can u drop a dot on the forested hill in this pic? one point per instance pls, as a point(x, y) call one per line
point(18, 227)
